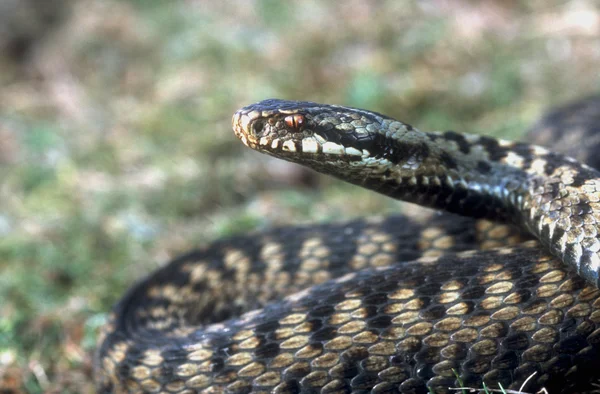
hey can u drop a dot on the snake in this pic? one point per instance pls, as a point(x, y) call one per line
point(423, 302)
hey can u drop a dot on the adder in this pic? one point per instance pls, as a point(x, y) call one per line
point(398, 304)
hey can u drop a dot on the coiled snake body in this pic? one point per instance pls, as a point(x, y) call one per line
point(393, 304)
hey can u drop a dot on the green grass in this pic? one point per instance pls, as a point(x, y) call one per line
point(116, 150)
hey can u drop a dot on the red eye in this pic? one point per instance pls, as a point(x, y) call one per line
point(294, 121)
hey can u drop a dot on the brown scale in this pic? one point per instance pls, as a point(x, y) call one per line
point(383, 305)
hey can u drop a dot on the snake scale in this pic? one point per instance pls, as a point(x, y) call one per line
point(399, 304)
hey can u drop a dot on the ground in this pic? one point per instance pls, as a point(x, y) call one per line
point(116, 149)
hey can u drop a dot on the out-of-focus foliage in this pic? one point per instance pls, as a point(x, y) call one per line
point(116, 151)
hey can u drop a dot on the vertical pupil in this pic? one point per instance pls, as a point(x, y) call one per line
point(294, 121)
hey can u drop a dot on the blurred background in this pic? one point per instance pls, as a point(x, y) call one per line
point(116, 149)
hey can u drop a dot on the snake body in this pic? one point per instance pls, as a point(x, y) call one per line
point(366, 306)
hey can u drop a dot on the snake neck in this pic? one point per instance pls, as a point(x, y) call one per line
point(554, 197)
point(436, 170)
point(437, 180)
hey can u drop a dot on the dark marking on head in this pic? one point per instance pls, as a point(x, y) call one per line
point(346, 138)
point(399, 152)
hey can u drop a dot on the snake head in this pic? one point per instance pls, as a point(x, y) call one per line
point(299, 131)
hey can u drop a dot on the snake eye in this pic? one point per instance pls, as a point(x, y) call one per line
point(295, 121)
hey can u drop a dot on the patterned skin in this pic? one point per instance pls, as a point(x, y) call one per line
point(396, 304)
